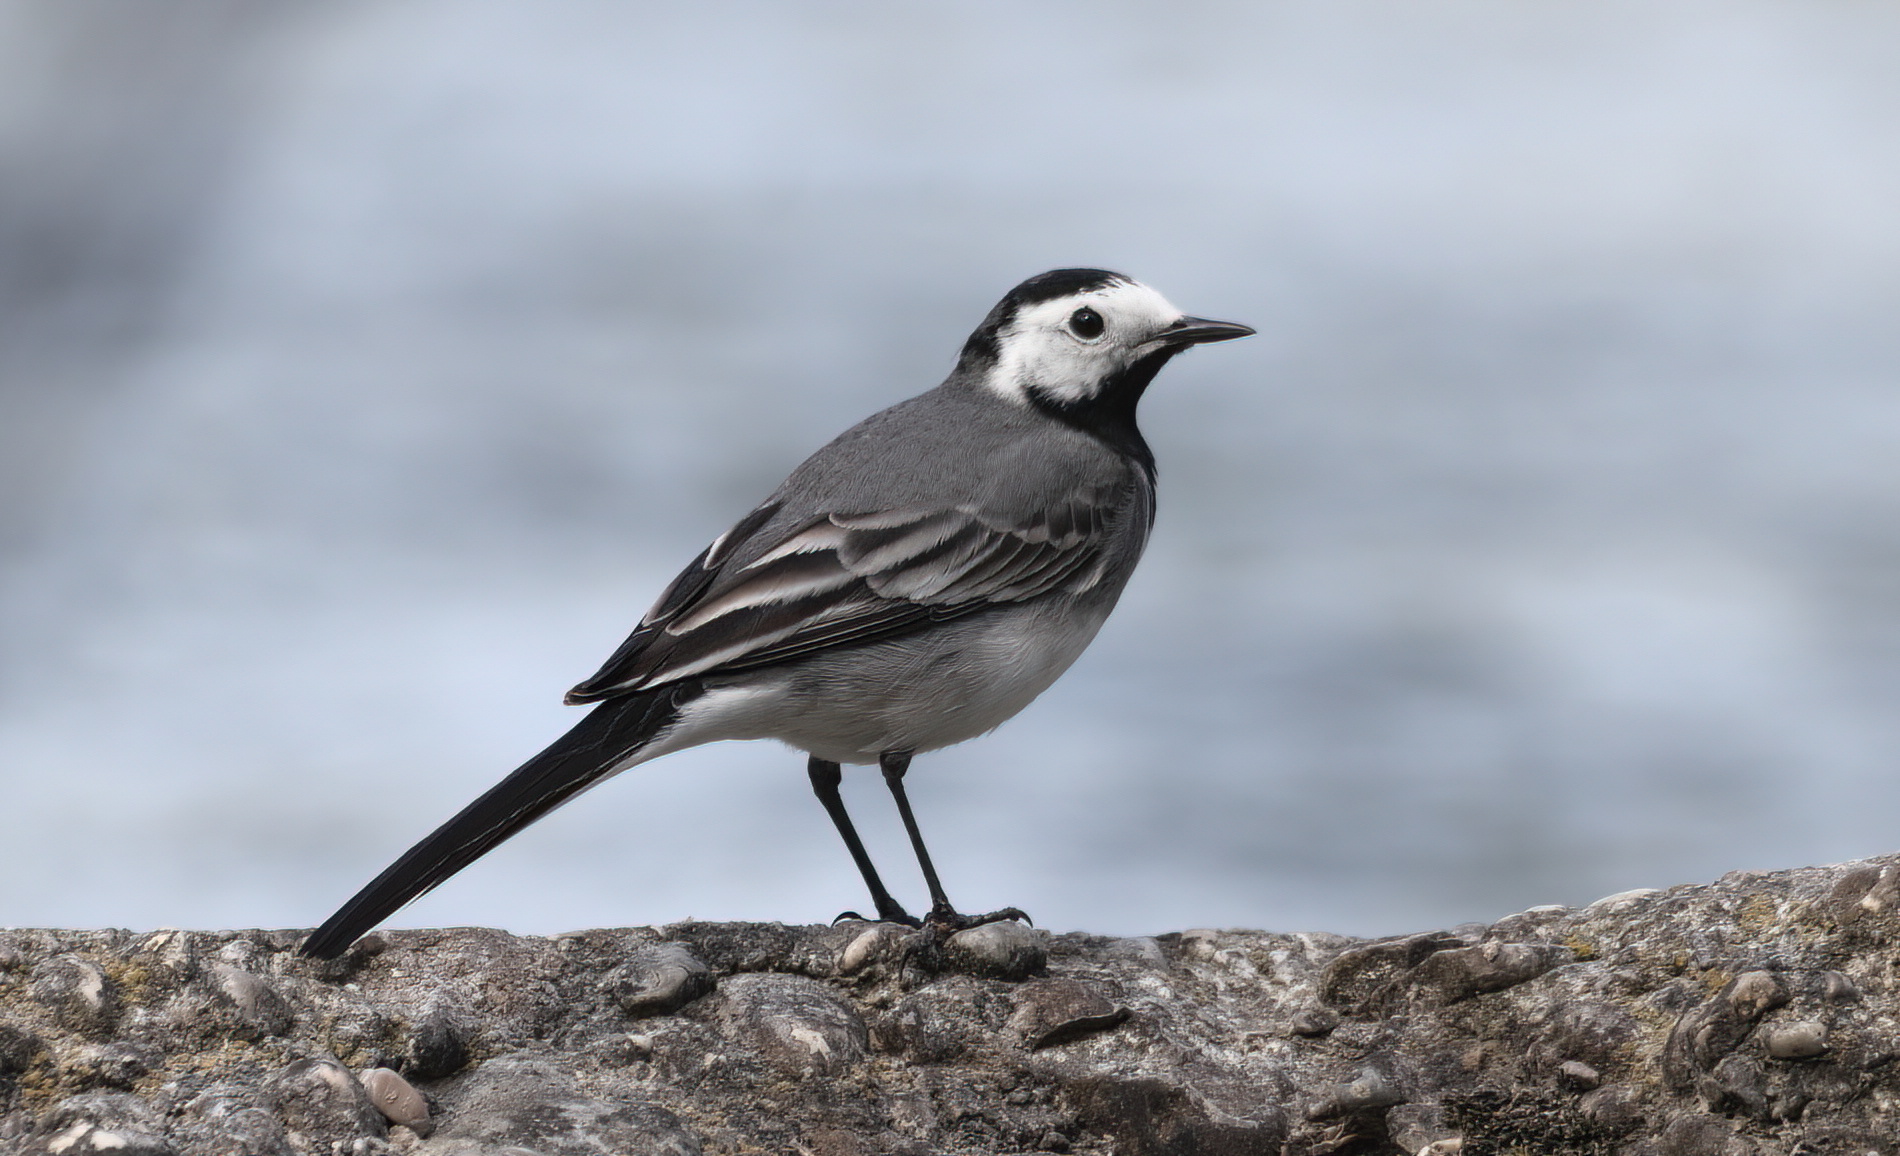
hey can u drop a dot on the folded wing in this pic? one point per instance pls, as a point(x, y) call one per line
point(846, 579)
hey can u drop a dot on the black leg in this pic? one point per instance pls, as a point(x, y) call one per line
point(825, 777)
point(894, 764)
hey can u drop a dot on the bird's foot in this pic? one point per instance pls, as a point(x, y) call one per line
point(945, 921)
point(942, 922)
point(886, 913)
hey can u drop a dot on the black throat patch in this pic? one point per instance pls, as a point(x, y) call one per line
point(1108, 415)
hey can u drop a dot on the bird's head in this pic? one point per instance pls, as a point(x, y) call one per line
point(1073, 338)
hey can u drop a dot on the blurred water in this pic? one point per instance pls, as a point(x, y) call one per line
point(365, 369)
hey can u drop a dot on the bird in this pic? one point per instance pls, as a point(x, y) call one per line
point(913, 584)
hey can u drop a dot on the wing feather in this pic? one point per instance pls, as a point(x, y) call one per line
point(876, 551)
point(846, 579)
point(790, 579)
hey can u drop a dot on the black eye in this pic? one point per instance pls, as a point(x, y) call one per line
point(1086, 323)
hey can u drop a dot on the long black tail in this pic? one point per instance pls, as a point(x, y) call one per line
point(576, 761)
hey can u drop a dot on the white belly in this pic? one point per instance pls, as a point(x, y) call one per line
point(912, 694)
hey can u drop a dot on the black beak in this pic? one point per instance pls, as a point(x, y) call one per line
point(1199, 331)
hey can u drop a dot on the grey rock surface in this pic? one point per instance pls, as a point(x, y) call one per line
point(1756, 1016)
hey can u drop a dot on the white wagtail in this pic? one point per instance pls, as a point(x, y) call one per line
point(914, 584)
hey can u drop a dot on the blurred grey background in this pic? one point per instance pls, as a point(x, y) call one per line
point(366, 368)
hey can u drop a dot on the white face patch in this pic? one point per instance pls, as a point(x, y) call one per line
point(1044, 350)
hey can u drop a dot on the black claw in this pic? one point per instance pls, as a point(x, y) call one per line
point(948, 920)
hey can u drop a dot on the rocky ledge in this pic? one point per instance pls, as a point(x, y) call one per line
point(1758, 1015)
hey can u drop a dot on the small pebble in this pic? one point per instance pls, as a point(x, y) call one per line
point(1313, 1022)
point(1837, 988)
point(1004, 950)
point(1447, 1147)
point(1754, 992)
point(1579, 1074)
point(658, 980)
point(1058, 1011)
point(398, 1100)
point(1370, 1089)
point(877, 941)
point(1797, 1041)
